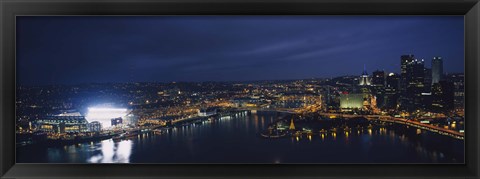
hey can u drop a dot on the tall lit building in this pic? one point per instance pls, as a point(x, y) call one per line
point(428, 80)
point(365, 84)
point(443, 96)
point(437, 69)
point(427, 91)
point(404, 60)
point(391, 91)
point(412, 83)
point(458, 80)
point(378, 78)
point(378, 87)
point(364, 79)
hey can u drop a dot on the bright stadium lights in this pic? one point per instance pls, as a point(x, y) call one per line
point(104, 115)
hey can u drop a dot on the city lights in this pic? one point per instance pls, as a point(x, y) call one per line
point(226, 102)
point(104, 115)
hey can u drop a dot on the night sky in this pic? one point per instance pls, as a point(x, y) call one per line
point(86, 49)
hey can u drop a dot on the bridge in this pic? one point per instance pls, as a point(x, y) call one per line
point(413, 123)
point(282, 110)
point(196, 117)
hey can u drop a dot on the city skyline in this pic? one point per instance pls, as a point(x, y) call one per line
point(240, 89)
point(369, 73)
point(210, 48)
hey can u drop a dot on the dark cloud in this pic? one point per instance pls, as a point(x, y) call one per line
point(69, 50)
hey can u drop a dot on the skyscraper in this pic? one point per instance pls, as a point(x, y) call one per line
point(378, 78)
point(391, 91)
point(364, 78)
point(437, 69)
point(428, 80)
point(365, 83)
point(378, 87)
point(443, 96)
point(414, 84)
point(458, 80)
point(404, 60)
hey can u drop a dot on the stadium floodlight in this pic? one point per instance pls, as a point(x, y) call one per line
point(104, 115)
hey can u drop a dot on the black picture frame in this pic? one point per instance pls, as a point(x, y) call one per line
point(11, 8)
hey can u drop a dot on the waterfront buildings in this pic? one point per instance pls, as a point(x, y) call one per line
point(63, 123)
point(204, 112)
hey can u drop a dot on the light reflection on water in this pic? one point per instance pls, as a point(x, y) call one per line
point(113, 152)
point(237, 140)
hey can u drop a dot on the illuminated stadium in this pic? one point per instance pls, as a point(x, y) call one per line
point(105, 114)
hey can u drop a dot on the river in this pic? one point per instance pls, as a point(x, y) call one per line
point(237, 140)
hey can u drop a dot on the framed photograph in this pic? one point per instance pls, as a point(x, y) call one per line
point(239, 89)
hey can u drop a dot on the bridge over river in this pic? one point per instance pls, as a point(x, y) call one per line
point(397, 120)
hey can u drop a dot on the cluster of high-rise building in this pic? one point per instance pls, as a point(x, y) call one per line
point(416, 88)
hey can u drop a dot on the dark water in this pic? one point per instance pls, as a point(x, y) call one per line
point(237, 140)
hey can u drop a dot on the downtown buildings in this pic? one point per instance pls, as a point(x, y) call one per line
point(416, 89)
